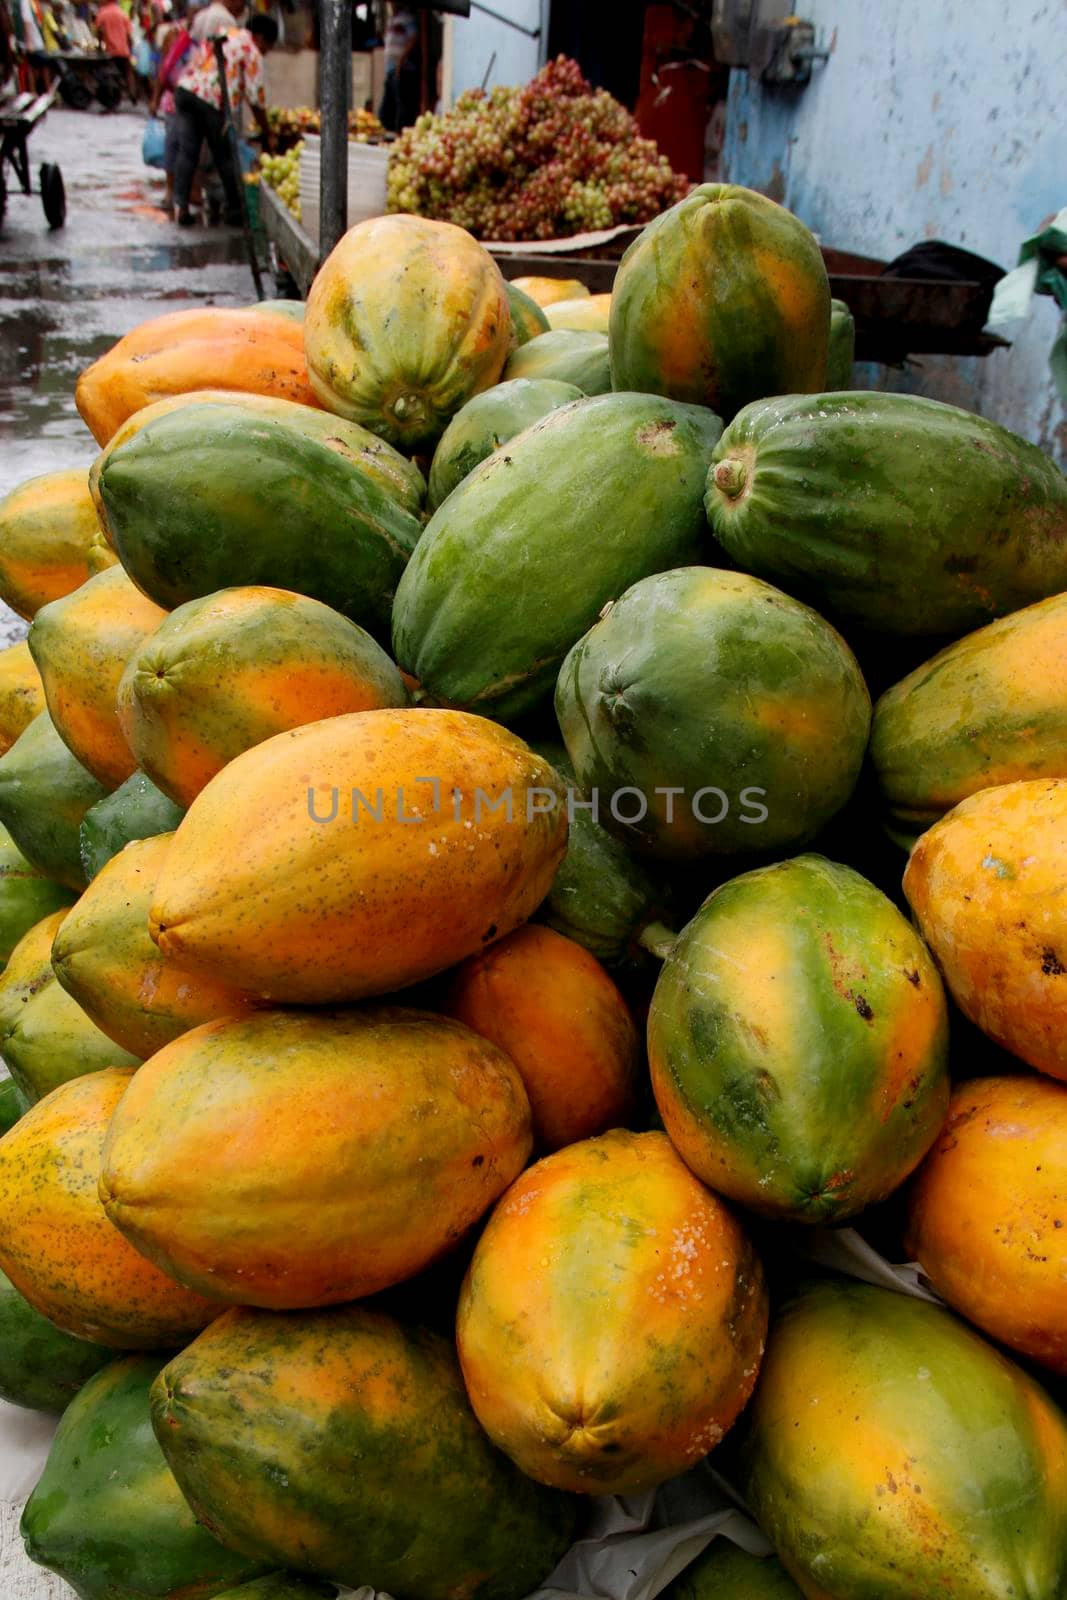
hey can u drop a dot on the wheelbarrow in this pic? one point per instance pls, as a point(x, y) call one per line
point(18, 118)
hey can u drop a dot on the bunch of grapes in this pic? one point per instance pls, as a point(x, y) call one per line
point(554, 158)
point(283, 175)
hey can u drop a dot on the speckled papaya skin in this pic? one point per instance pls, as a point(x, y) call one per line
point(80, 645)
point(21, 693)
point(406, 1494)
point(211, 347)
point(26, 896)
point(726, 1572)
point(370, 1142)
point(56, 1244)
point(41, 1368)
point(987, 1213)
point(892, 1454)
point(135, 810)
point(104, 959)
point(564, 355)
point(46, 528)
point(612, 1321)
point(986, 887)
point(406, 319)
point(310, 911)
point(798, 1042)
point(107, 1514)
point(224, 673)
point(489, 421)
point(44, 795)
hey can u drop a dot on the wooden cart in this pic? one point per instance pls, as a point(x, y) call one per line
point(18, 118)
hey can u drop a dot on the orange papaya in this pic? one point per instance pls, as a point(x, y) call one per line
point(21, 693)
point(56, 1244)
point(611, 1324)
point(47, 526)
point(550, 291)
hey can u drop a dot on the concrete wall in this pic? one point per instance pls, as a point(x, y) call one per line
point(475, 40)
point(928, 121)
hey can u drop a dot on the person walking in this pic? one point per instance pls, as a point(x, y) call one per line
point(199, 115)
point(115, 32)
point(401, 97)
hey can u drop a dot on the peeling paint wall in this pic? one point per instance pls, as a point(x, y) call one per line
point(487, 51)
point(928, 121)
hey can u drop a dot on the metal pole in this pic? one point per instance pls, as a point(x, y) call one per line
point(235, 158)
point(335, 80)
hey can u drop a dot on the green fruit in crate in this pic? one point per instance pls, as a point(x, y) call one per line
point(136, 810)
point(489, 421)
point(568, 356)
point(713, 715)
point(521, 516)
point(892, 1453)
point(726, 1572)
point(895, 512)
point(842, 350)
point(41, 1368)
point(798, 1042)
point(44, 795)
point(527, 318)
point(211, 495)
point(107, 1514)
point(26, 895)
point(13, 1104)
point(341, 1442)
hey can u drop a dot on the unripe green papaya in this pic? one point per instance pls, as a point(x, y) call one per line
point(44, 795)
point(489, 421)
point(527, 318)
point(13, 1104)
point(26, 895)
point(136, 810)
point(41, 1367)
point(569, 355)
point(726, 1572)
point(842, 351)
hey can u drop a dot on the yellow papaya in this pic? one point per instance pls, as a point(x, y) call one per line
point(47, 526)
point(21, 693)
point(550, 291)
point(589, 313)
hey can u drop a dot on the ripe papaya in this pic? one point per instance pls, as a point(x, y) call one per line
point(337, 892)
point(986, 886)
point(80, 645)
point(406, 319)
point(589, 313)
point(547, 291)
point(224, 673)
point(527, 318)
point(611, 1324)
point(892, 1453)
point(896, 513)
point(211, 347)
point(21, 693)
point(428, 1124)
point(57, 1245)
point(136, 810)
point(44, 795)
point(46, 528)
point(107, 1514)
point(41, 1368)
point(722, 299)
point(489, 421)
point(26, 896)
point(726, 1572)
point(13, 1104)
point(648, 457)
point(565, 355)
point(45, 1037)
point(401, 1491)
point(842, 349)
point(551, 1006)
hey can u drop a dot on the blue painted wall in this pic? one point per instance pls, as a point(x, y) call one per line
point(481, 45)
point(941, 120)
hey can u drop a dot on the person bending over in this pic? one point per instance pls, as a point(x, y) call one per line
point(198, 109)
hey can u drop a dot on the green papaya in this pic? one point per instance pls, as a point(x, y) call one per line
point(107, 1514)
point(896, 513)
point(44, 794)
point(213, 495)
point(842, 351)
point(489, 421)
point(281, 1586)
point(726, 1572)
point(13, 1104)
point(494, 596)
point(136, 810)
point(293, 309)
point(41, 1368)
point(527, 318)
point(26, 895)
point(569, 355)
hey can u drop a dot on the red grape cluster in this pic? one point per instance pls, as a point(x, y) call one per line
point(551, 159)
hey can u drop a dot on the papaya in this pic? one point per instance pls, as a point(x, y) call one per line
point(281, 1586)
point(13, 1104)
point(45, 1037)
point(136, 810)
point(566, 355)
point(527, 318)
point(46, 527)
point(986, 887)
point(44, 795)
point(611, 1323)
point(337, 892)
point(721, 300)
point(726, 1572)
point(842, 348)
point(489, 421)
point(341, 1442)
point(798, 1042)
point(212, 347)
point(525, 511)
point(589, 313)
point(553, 1009)
point(896, 513)
point(713, 714)
point(41, 1368)
point(56, 1243)
point(405, 321)
point(21, 693)
point(104, 959)
point(428, 1124)
point(986, 1213)
point(26, 896)
point(990, 709)
point(224, 673)
point(548, 291)
point(100, 556)
point(293, 309)
point(107, 1514)
point(892, 1453)
point(206, 496)
point(80, 645)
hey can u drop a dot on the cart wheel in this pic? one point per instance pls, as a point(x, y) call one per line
point(109, 90)
point(73, 92)
point(53, 194)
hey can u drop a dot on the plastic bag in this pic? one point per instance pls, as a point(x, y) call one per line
point(153, 142)
point(1039, 272)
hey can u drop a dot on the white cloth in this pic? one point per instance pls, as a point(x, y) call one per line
point(214, 18)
